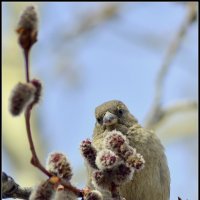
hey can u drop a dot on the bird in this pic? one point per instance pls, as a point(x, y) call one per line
point(153, 181)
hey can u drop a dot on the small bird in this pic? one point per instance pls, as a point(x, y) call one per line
point(152, 182)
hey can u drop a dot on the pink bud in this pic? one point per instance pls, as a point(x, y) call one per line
point(106, 159)
point(136, 161)
point(114, 140)
point(58, 165)
point(88, 152)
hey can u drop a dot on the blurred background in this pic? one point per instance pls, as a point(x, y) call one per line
point(144, 54)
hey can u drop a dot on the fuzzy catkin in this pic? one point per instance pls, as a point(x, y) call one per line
point(28, 19)
point(22, 95)
point(93, 195)
point(64, 195)
point(89, 152)
point(27, 28)
point(58, 164)
point(106, 159)
point(44, 191)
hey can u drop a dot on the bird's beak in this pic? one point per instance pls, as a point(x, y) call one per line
point(109, 119)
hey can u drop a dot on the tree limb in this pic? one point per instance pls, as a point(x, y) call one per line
point(156, 112)
point(180, 106)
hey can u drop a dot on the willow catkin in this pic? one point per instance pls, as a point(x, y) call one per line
point(22, 95)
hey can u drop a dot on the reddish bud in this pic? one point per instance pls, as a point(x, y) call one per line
point(88, 152)
point(136, 161)
point(114, 140)
point(58, 165)
point(106, 159)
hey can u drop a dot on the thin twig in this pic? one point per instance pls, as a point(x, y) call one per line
point(171, 53)
point(26, 58)
point(35, 161)
point(27, 37)
point(154, 115)
point(89, 21)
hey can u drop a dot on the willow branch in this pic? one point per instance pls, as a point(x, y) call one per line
point(26, 57)
point(35, 161)
point(27, 30)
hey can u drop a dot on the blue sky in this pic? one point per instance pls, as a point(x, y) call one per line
point(117, 60)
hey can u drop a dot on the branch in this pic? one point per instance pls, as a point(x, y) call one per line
point(27, 30)
point(156, 112)
point(172, 51)
point(181, 106)
point(27, 36)
point(89, 21)
point(10, 189)
point(35, 161)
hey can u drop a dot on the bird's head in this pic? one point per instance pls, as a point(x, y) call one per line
point(112, 114)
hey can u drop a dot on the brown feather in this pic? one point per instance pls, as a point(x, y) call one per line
point(152, 182)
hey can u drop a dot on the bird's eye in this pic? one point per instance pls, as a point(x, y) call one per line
point(120, 112)
point(99, 120)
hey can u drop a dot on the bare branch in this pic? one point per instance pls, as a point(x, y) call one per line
point(154, 115)
point(175, 108)
point(35, 161)
point(172, 51)
point(27, 37)
point(91, 20)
